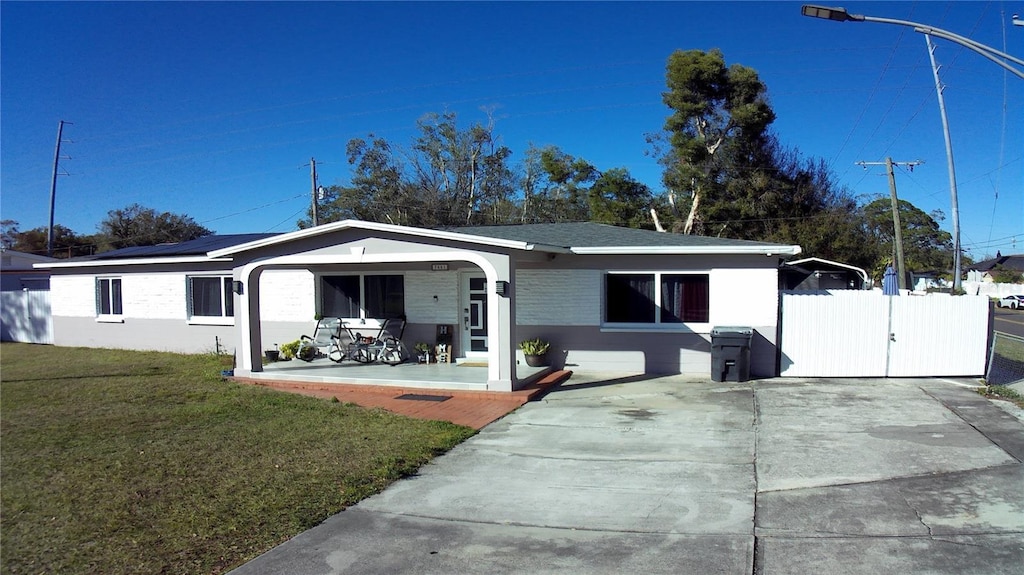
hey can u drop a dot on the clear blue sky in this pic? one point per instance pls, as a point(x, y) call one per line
point(214, 109)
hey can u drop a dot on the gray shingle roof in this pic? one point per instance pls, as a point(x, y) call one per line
point(594, 235)
point(1012, 262)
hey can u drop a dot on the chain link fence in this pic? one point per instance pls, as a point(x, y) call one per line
point(1005, 360)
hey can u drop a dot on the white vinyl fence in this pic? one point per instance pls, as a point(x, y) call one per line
point(846, 333)
point(25, 316)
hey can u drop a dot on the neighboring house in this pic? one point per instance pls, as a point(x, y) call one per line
point(813, 274)
point(982, 271)
point(17, 273)
point(24, 298)
point(608, 298)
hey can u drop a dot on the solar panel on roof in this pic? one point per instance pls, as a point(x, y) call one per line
point(198, 246)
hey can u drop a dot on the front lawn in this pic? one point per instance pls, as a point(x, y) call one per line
point(136, 462)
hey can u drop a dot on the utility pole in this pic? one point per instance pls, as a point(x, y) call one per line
point(901, 269)
point(312, 176)
point(53, 189)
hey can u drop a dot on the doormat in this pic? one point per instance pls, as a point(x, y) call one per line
point(473, 364)
point(422, 397)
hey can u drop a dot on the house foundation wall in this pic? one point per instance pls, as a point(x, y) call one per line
point(591, 349)
point(172, 335)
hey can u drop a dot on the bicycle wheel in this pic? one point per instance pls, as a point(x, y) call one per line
point(363, 355)
point(393, 353)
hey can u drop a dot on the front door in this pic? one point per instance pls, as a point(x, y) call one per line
point(474, 315)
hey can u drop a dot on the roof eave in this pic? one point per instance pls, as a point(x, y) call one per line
point(768, 250)
point(130, 262)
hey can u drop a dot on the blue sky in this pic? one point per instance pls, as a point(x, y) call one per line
point(214, 109)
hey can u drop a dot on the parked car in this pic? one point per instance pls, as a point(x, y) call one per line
point(1012, 302)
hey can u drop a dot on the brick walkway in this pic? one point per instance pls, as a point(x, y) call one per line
point(470, 408)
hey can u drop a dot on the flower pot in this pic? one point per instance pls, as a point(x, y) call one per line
point(272, 354)
point(536, 360)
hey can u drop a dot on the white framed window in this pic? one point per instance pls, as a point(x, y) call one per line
point(661, 300)
point(362, 296)
point(210, 300)
point(108, 300)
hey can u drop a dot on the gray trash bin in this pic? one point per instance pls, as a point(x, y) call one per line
point(730, 353)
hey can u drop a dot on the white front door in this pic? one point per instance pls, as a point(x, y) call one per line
point(474, 315)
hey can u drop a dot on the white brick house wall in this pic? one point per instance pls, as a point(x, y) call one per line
point(558, 297)
point(73, 296)
point(744, 297)
point(153, 296)
point(287, 295)
point(420, 289)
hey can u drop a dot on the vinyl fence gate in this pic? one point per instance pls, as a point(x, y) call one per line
point(25, 316)
point(847, 333)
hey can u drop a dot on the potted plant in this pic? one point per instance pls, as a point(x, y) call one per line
point(273, 354)
point(535, 351)
point(288, 350)
point(423, 349)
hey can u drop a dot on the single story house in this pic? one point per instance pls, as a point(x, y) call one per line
point(982, 271)
point(17, 273)
point(607, 298)
point(812, 274)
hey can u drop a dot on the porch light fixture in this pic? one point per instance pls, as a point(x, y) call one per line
point(501, 288)
point(236, 286)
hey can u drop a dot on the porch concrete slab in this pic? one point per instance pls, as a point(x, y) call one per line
point(373, 543)
point(426, 376)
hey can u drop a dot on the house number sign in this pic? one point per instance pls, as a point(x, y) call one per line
point(439, 267)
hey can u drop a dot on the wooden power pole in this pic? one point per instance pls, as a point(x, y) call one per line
point(312, 176)
point(53, 188)
point(901, 268)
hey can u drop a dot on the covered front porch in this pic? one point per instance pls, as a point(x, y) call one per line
point(361, 273)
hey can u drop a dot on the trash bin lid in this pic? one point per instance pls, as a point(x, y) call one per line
point(732, 330)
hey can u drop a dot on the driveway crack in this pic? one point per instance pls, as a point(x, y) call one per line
point(916, 512)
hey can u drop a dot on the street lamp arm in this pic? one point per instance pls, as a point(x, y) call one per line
point(841, 15)
point(1007, 67)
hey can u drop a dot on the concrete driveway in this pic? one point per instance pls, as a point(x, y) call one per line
point(670, 475)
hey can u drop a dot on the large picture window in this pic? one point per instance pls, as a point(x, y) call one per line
point(363, 296)
point(108, 297)
point(210, 297)
point(656, 298)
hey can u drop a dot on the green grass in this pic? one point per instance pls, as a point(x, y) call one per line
point(138, 462)
point(1003, 392)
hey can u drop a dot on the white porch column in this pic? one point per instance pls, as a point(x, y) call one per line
point(247, 307)
point(501, 325)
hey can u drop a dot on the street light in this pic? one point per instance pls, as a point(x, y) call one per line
point(841, 15)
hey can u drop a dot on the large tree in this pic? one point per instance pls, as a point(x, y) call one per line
point(447, 177)
point(714, 108)
point(926, 247)
point(616, 198)
point(136, 225)
point(8, 233)
point(66, 243)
